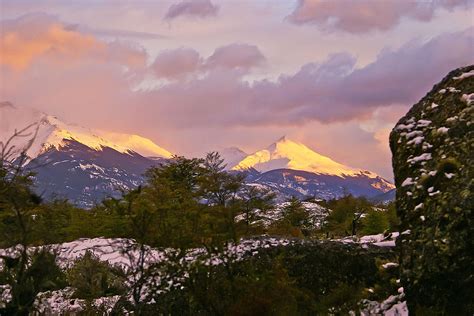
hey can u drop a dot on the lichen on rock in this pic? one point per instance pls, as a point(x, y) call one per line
point(433, 162)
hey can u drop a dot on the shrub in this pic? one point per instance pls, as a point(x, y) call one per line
point(93, 278)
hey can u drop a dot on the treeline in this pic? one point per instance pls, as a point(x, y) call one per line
point(188, 203)
point(184, 203)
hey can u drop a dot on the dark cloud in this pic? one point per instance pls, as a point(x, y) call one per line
point(360, 16)
point(191, 8)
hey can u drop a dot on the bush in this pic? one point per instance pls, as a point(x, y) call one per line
point(93, 278)
point(294, 223)
point(375, 222)
point(26, 281)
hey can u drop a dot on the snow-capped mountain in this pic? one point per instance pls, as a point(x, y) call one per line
point(289, 154)
point(78, 163)
point(292, 169)
point(50, 132)
point(85, 165)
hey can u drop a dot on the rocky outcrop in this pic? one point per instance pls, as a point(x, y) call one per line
point(433, 161)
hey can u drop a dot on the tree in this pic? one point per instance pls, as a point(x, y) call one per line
point(346, 215)
point(294, 221)
point(24, 273)
point(254, 199)
point(27, 280)
point(375, 222)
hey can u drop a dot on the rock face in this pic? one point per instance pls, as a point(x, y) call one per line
point(433, 161)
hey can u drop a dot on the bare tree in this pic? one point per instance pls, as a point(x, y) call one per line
point(17, 207)
point(12, 157)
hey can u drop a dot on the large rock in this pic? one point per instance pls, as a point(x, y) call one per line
point(433, 161)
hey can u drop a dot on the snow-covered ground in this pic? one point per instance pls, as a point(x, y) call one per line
point(381, 240)
point(316, 213)
point(125, 254)
point(394, 305)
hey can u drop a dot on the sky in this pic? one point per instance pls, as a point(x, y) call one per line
point(202, 75)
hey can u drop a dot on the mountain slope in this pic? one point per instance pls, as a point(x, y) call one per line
point(302, 184)
point(232, 156)
point(86, 176)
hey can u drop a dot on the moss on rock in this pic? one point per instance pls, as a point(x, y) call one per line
point(433, 162)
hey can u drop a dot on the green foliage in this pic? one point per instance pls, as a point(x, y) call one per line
point(247, 288)
point(27, 280)
point(392, 218)
point(253, 198)
point(185, 203)
point(375, 221)
point(17, 207)
point(345, 218)
point(341, 300)
point(93, 278)
point(357, 216)
point(294, 222)
point(315, 278)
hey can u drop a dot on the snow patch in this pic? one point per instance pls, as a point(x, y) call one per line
point(468, 98)
point(442, 130)
point(408, 181)
point(464, 75)
point(422, 157)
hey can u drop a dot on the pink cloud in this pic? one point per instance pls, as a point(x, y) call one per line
point(236, 56)
point(191, 8)
point(329, 91)
point(176, 63)
point(40, 36)
point(86, 80)
point(59, 70)
point(360, 16)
